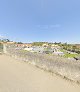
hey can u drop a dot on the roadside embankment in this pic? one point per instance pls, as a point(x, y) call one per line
point(18, 76)
point(69, 69)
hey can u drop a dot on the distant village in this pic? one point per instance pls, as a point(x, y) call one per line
point(69, 51)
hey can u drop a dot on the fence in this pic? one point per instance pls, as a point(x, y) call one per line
point(69, 69)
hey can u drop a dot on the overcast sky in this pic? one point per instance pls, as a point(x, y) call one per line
point(40, 20)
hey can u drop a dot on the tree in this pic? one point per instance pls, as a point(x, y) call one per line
point(19, 42)
point(39, 43)
point(4, 40)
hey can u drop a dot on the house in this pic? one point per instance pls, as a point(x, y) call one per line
point(45, 45)
point(28, 49)
point(55, 46)
point(77, 46)
point(58, 53)
point(38, 49)
point(24, 45)
point(56, 49)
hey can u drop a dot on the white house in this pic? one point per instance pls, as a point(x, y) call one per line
point(28, 49)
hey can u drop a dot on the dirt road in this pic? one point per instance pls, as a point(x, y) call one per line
point(17, 76)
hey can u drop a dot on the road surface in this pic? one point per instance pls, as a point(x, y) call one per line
point(17, 76)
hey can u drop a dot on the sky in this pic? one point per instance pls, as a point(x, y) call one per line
point(40, 20)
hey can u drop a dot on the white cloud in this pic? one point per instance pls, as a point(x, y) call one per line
point(2, 37)
point(49, 26)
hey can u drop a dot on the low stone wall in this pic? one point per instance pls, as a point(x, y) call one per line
point(69, 69)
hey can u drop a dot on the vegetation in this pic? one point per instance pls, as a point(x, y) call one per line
point(19, 43)
point(4, 40)
point(59, 65)
point(39, 43)
point(1, 47)
point(70, 47)
point(67, 55)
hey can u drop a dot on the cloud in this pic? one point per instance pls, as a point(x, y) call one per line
point(48, 26)
point(2, 37)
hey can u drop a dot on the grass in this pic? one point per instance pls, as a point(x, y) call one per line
point(70, 55)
